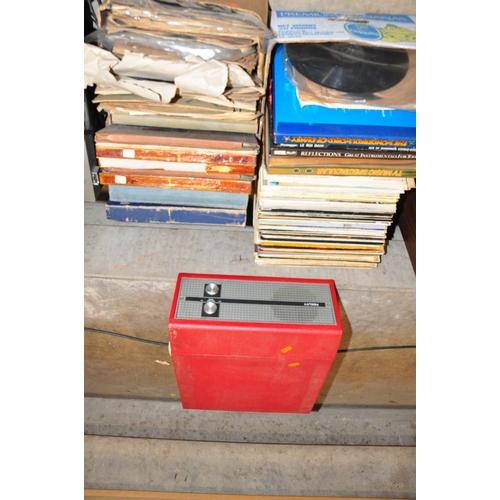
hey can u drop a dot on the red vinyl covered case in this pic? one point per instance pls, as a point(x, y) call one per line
point(251, 343)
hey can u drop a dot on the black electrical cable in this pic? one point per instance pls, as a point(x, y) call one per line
point(156, 342)
point(378, 348)
point(147, 341)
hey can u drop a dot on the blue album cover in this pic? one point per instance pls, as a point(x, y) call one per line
point(291, 120)
point(138, 212)
point(178, 197)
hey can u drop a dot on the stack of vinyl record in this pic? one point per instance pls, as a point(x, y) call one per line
point(176, 175)
point(334, 168)
point(181, 84)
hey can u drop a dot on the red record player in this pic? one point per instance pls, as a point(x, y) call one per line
point(251, 343)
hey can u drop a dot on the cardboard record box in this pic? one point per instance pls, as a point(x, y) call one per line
point(251, 343)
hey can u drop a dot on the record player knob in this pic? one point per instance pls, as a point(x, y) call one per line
point(210, 307)
point(212, 289)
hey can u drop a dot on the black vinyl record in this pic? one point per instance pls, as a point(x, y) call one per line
point(349, 67)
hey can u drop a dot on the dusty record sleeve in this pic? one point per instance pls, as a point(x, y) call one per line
point(347, 73)
point(349, 67)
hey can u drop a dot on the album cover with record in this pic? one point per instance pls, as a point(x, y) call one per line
point(346, 73)
point(291, 119)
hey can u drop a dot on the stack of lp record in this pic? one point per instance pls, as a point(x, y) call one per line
point(175, 175)
point(182, 88)
point(340, 150)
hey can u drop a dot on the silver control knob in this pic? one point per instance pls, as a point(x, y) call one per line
point(212, 289)
point(210, 307)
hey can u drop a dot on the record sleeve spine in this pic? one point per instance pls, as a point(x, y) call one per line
point(319, 150)
point(150, 213)
point(362, 172)
point(202, 184)
point(336, 136)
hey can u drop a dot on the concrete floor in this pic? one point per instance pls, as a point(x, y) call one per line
point(358, 442)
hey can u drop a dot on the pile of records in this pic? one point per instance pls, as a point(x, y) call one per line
point(181, 84)
point(324, 220)
point(337, 160)
point(175, 175)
